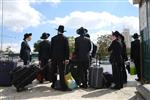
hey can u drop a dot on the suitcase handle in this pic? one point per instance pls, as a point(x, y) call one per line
point(97, 61)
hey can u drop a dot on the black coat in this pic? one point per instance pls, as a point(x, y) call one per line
point(44, 50)
point(59, 47)
point(25, 51)
point(82, 48)
point(124, 51)
point(116, 51)
point(135, 50)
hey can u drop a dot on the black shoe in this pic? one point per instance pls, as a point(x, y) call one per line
point(21, 89)
point(116, 87)
point(41, 82)
point(84, 86)
point(137, 79)
point(65, 89)
point(53, 86)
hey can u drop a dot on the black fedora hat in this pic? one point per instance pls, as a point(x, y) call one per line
point(27, 35)
point(81, 31)
point(116, 34)
point(135, 36)
point(45, 35)
point(61, 28)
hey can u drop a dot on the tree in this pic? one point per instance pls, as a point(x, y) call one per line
point(103, 43)
point(8, 50)
point(36, 46)
point(71, 41)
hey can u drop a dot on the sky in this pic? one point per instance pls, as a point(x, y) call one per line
point(37, 16)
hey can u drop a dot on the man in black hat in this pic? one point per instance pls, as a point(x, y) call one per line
point(25, 51)
point(116, 60)
point(125, 58)
point(135, 54)
point(93, 48)
point(44, 55)
point(59, 56)
point(82, 50)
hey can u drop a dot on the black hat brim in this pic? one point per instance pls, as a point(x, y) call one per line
point(62, 31)
point(135, 36)
point(45, 37)
point(27, 35)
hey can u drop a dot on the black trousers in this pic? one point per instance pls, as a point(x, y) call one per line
point(26, 62)
point(117, 74)
point(58, 65)
point(45, 71)
point(137, 66)
point(83, 67)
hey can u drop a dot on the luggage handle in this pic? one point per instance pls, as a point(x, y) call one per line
point(97, 62)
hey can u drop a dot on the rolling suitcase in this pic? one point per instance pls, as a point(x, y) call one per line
point(24, 75)
point(6, 67)
point(45, 73)
point(96, 77)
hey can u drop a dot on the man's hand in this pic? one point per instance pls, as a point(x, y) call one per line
point(66, 61)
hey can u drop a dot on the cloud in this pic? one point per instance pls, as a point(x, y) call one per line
point(97, 22)
point(45, 1)
point(19, 15)
point(131, 2)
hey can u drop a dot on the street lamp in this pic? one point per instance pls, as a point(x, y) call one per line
point(2, 27)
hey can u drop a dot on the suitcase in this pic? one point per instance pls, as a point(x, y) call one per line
point(6, 67)
point(45, 73)
point(96, 77)
point(24, 75)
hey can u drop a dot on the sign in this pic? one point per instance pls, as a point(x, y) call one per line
point(143, 16)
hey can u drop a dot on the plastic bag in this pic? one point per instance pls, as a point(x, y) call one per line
point(132, 69)
point(70, 82)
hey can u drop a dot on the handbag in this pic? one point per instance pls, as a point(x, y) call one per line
point(70, 82)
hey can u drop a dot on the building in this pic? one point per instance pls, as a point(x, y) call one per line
point(126, 34)
point(144, 20)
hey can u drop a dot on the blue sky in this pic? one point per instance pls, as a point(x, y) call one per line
point(37, 16)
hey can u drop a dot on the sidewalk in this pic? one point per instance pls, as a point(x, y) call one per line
point(44, 92)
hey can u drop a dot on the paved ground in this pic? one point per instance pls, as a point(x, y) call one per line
point(44, 92)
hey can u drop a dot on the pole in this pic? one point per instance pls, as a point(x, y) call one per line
point(2, 28)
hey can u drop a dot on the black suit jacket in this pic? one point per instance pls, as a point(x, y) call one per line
point(124, 51)
point(116, 51)
point(25, 51)
point(59, 47)
point(82, 48)
point(44, 50)
point(135, 50)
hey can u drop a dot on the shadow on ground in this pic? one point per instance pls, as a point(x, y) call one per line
point(98, 93)
point(33, 91)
